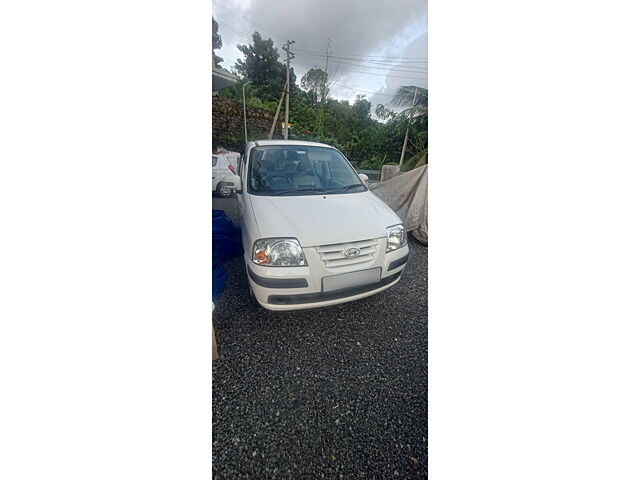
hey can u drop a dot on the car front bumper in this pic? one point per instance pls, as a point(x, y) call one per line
point(295, 288)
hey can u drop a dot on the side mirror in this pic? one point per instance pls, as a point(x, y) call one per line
point(364, 178)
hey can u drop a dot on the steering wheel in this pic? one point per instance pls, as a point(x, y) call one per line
point(278, 175)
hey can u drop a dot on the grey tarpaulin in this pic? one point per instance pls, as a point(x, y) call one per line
point(406, 194)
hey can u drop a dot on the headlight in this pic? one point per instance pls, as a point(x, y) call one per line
point(278, 252)
point(396, 237)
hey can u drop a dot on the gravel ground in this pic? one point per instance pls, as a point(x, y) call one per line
point(339, 392)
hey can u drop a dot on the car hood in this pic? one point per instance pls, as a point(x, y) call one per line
point(323, 219)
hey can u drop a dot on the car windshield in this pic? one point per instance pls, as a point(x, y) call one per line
point(300, 170)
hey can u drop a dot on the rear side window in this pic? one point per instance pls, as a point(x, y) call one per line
point(214, 160)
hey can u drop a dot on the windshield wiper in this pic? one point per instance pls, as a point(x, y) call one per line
point(346, 189)
point(294, 190)
point(320, 190)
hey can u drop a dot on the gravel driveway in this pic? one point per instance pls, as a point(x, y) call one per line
point(339, 392)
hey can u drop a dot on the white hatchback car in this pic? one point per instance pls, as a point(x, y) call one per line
point(313, 234)
point(221, 169)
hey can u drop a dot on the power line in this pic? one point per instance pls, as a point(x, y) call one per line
point(231, 29)
point(373, 62)
point(365, 91)
point(350, 71)
point(249, 20)
point(381, 67)
point(371, 73)
point(335, 72)
point(370, 62)
point(398, 62)
point(333, 76)
point(341, 61)
point(366, 56)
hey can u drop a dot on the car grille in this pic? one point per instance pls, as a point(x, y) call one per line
point(335, 260)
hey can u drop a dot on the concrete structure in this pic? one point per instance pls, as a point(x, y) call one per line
point(221, 78)
point(388, 172)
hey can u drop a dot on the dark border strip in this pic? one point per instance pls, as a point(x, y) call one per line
point(334, 295)
point(397, 263)
point(278, 282)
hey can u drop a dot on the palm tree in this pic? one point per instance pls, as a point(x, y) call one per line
point(415, 99)
point(404, 98)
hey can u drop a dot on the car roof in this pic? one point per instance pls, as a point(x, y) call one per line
point(284, 143)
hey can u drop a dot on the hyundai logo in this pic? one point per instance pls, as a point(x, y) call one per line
point(351, 252)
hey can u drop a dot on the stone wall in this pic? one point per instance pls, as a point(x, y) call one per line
point(228, 124)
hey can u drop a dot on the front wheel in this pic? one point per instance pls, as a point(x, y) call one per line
point(223, 191)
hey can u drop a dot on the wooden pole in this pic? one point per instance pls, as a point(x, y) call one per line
point(287, 48)
point(275, 119)
point(406, 135)
point(244, 111)
point(323, 99)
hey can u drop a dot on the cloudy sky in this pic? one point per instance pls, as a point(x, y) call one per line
point(376, 45)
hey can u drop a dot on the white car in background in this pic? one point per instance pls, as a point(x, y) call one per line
point(233, 158)
point(313, 234)
point(222, 168)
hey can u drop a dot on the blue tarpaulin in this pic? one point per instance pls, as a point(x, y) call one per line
point(227, 243)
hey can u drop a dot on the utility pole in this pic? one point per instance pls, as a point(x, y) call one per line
point(406, 135)
point(244, 110)
point(275, 118)
point(324, 89)
point(287, 48)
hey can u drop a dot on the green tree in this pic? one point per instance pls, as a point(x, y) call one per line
point(383, 113)
point(415, 113)
point(314, 82)
point(217, 39)
point(261, 65)
point(362, 107)
point(404, 98)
